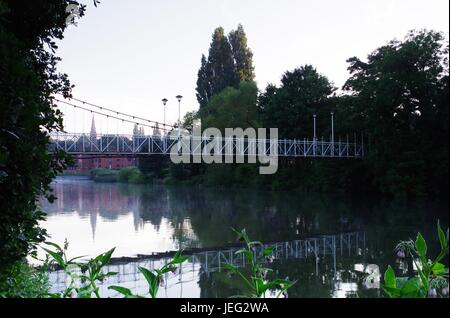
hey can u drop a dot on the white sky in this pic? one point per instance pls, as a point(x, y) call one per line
point(128, 55)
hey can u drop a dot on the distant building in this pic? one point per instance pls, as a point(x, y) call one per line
point(84, 165)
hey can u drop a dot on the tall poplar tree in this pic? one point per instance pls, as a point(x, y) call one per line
point(229, 62)
point(242, 55)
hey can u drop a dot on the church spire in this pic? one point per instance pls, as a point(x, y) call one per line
point(93, 130)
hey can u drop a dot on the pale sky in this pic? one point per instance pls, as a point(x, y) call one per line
point(128, 55)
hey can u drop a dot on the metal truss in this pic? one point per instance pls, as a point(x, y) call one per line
point(108, 144)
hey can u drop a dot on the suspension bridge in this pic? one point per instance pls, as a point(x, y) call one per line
point(351, 244)
point(173, 138)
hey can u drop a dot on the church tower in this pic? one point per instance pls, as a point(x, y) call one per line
point(93, 130)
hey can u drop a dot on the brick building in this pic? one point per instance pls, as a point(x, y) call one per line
point(84, 165)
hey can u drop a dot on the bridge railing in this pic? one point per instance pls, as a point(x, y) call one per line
point(110, 144)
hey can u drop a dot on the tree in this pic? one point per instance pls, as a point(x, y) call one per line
point(229, 62)
point(189, 120)
point(28, 79)
point(242, 55)
point(402, 94)
point(290, 108)
point(204, 91)
point(233, 107)
point(220, 62)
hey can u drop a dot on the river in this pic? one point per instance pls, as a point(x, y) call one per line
point(330, 244)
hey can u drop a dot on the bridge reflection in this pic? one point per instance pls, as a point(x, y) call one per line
point(324, 248)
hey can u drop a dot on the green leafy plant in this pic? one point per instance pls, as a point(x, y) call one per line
point(154, 277)
point(432, 276)
point(25, 281)
point(258, 281)
point(84, 285)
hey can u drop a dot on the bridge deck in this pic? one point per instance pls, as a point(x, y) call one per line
point(79, 144)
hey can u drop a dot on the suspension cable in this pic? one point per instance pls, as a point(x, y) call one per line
point(110, 116)
point(120, 113)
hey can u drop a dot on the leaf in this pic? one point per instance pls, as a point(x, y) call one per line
point(122, 290)
point(412, 287)
point(423, 278)
point(268, 251)
point(152, 280)
point(248, 255)
point(111, 273)
point(421, 247)
point(54, 245)
point(78, 257)
point(149, 276)
point(58, 258)
point(442, 238)
point(389, 278)
point(392, 292)
point(106, 257)
point(401, 281)
point(253, 243)
point(178, 259)
point(230, 267)
point(242, 235)
point(240, 251)
point(439, 269)
point(166, 269)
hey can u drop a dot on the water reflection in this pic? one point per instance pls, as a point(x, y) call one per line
point(205, 268)
point(139, 219)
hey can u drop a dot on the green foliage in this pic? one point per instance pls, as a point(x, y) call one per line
point(28, 80)
point(125, 173)
point(401, 94)
point(242, 55)
point(258, 281)
point(104, 175)
point(229, 62)
point(397, 102)
point(432, 276)
point(233, 107)
point(303, 93)
point(189, 120)
point(133, 175)
point(25, 281)
point(154, 277)
point(83, 276)
point(137, 177)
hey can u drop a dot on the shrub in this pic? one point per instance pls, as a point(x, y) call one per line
point(104, 175)
point(24, 281)
point(124, 174)
point(137, 177)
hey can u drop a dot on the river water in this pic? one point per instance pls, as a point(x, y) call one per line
point(333, 246)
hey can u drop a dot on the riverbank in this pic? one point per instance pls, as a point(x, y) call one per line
point(125, 175)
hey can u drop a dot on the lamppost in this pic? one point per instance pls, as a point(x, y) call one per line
point(314, 140)
point(164, 100)
point(314, 116)
point(179, 97)
point(332, 133)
